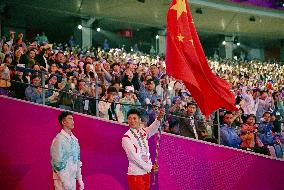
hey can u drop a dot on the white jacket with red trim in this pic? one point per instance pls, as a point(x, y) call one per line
point(139, 156)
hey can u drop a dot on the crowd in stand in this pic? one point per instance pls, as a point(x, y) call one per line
point(123, 80)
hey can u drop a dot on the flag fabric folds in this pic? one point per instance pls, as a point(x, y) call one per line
point(186, 61)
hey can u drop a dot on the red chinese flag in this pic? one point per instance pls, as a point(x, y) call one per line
point(186, 61)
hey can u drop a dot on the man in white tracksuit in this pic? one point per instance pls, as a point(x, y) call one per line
point(65, 156)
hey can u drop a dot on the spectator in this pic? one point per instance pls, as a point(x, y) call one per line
point(128, 99)
point(5, 51)
point(265, 105)
point(83, 94)
point(66, 94)
point(189, 124)
point(106, 45)
point(34, 92)
point(108, 108)
point(154, 73)
point(42, 57)
point(60, 60)
point(278, 111)
point(265, 130)
point(72, 41)
point(116, 72)
point(4, 77)
point(148, 94)
point(18, 51)
point(28, 59)
point(248, 133)
point(19, 84)
point(229, 137)
point(127, 79)
point(251, 101)
point(51, 93)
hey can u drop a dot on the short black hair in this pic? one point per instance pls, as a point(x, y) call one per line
point(148, 81)
point(227, 113)
point(92, 74)
point(251, 115)
point(63, 115)
point(114, 64)
point(115, 82)
point(34, 76)
point(134, 111)
point(255, 90)
point(111, 89)
point(263, 91)
point(191, 104)
point(267, 112)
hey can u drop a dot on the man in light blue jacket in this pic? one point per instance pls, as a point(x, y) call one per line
point(65, 156)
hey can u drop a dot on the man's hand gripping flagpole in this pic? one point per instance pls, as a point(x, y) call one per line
point(161, 118)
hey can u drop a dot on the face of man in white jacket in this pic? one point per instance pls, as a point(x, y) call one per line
point(134, 121)
point(68, 123)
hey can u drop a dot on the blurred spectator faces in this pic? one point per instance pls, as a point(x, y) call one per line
point(53, 67)
point(150, 85)
point(36, 67)
point(18, 52)
point(32, 54)
point(154, 70)
point(89, 60)
point(228, 118)
point(191, 108)
point(81, 85)
point(267, 117)
point(5, 48)
point(33, 45)
point(60, 57)
point(36, 80)
point(106, 66)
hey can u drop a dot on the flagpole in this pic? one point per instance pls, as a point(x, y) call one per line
point(159, 139)
point(157, 150)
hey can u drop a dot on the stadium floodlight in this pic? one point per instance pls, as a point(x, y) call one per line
point(131, 49)
point(157, 36)
point(238, 44)
point(224, 42)
point(98, 29)
point(80, 27)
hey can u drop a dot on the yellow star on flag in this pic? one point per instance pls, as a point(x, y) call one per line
point(191, 41)
point(180, 38)
point(180, 7)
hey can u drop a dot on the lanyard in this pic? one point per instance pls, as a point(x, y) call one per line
point(138, 140)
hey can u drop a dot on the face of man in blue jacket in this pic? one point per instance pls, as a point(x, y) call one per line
point(228, 118)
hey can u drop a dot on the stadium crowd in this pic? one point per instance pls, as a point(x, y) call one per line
point(67, 76)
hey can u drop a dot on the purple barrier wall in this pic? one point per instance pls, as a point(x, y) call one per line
point(186, 164)
point(26, 132)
